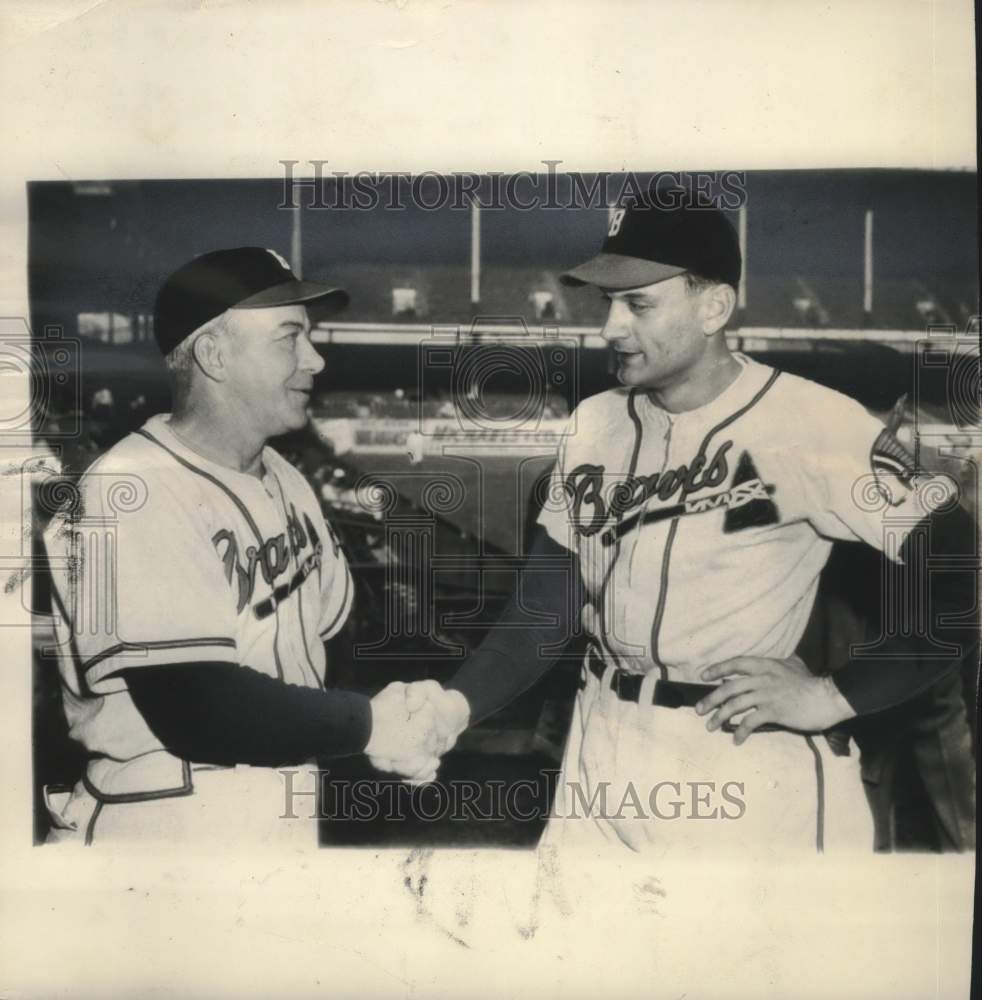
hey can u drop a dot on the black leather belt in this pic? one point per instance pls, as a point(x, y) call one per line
point(667, 694)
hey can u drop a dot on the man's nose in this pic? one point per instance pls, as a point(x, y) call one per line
point(616, 326)
point(310, 358)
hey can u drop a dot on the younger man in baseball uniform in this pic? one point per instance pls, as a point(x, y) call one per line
point(697, 504)
point(197, 583)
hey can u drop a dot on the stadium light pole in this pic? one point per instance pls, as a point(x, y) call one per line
point(868, 269)
point(742, 289)
point(296, 258)
point(475, 252)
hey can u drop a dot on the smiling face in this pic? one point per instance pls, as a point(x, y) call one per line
point(661, 334)
point(271, 364)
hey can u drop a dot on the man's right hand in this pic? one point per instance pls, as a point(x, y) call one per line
point(412, 726)
point(404, 732)
point(453, 711)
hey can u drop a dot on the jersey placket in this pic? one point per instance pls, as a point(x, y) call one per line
point(654, 458)
point(603, 622)
point(268, 522)
point(304, 662)
point(652, 573)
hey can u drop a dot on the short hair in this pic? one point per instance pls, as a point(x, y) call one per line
point(695, 283)
point(180, 361)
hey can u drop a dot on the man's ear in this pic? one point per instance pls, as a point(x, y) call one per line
point(718, 303)
point(209, 350)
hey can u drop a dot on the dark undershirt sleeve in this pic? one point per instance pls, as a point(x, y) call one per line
point(223, 713)
point(517, 652)
point(905, 665)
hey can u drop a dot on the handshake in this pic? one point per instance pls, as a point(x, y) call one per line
point(413, 725)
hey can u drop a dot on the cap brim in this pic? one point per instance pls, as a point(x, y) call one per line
point(615, 271)
point(325, 301)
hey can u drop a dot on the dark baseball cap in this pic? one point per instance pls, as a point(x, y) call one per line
point(646, 244)
point(243, 278)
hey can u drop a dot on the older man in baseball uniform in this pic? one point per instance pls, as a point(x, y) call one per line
point(697, 504)
point(197, 582)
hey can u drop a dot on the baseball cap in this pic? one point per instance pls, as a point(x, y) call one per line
point(646, 244)
point(243, 277)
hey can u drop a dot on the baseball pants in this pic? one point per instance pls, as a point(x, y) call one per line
point(653, 779)
point(229, 806)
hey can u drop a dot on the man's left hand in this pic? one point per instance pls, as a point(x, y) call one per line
point(763, 691)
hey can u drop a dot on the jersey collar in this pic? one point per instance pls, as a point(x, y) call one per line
point(159, 427)
point(750, 378)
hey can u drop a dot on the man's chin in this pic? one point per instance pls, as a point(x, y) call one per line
point(629, 375)
point(301, 421)
point(295, 421)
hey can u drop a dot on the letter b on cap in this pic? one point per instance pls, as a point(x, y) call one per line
point(615, 221)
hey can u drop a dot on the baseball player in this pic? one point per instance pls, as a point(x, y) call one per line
point(697, 504)
point(197, 582)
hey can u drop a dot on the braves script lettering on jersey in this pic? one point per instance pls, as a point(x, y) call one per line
point(701, 536)
point(169, 558)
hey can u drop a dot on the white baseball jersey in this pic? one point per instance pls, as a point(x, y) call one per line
point(701, 535)
point(170, 558)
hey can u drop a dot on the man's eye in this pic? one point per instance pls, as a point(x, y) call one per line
point(640, 307)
